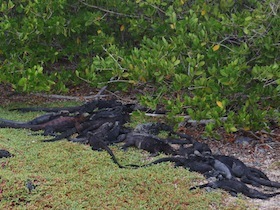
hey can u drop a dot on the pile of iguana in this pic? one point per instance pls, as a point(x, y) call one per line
point(230, 173)
point(100, 123)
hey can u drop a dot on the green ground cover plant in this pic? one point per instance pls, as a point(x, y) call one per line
point(72, 176)
point(211, 59)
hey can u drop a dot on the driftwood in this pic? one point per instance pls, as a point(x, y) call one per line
point(76, 98)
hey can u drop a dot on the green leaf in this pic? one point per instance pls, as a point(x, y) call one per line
point(22, 81)
point(177, 62)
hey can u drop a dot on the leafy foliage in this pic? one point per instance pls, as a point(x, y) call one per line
point(207, 59)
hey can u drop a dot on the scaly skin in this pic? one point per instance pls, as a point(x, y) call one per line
point(234, 187)
point(58, 124)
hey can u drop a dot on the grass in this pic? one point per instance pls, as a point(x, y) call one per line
point(72, 176)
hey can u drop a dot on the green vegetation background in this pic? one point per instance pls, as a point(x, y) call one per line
point(206, 59)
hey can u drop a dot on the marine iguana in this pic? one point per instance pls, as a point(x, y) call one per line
point(5, 153)
point(99, 137)
point(234, 187)
point(87, 107)
point(246, 174)
point(147, 142)
point(58, 124)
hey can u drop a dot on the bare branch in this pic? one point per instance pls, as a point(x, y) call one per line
point(108, 11)
point(188, 119)
point(76, 98)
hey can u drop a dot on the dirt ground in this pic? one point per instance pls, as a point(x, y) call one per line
point(259, 149)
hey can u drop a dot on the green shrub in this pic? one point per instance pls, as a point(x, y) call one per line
point(206, 59)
